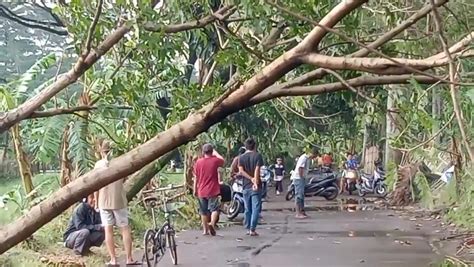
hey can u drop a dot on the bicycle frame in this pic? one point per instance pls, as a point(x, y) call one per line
point(164, 236)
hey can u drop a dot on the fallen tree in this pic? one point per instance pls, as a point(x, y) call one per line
point(210, 114)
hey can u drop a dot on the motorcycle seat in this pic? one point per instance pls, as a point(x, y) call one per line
point(316, 179)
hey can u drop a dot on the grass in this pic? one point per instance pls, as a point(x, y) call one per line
point(168, 178)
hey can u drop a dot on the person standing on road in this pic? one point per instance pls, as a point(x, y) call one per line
point(249, 167)
point(112, 203)
point(207, 187)
point(299, 180)
point(278, 173)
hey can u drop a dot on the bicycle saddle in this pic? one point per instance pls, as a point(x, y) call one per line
point(150, 200)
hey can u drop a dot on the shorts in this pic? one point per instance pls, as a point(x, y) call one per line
point(208, 205)
point(114, 217)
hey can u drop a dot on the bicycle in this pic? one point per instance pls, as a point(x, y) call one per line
point(156, 241)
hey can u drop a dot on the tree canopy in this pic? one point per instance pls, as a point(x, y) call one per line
point(153, 75)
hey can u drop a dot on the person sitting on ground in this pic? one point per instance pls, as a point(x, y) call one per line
point(85, 229)
point(207, 187)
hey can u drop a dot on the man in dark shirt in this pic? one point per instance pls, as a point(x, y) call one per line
point(249, 167)
point(85, 229)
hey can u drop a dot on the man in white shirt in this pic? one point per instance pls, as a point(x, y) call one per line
point(299, 180)
point(112, 203)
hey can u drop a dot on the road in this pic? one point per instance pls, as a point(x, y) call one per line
point(346, 232)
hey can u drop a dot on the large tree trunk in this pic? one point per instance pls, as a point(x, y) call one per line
point(402, 195)
point(66, 165)
point(22, 159)
point(139, 180)
point(391, 155)
point(436, 107)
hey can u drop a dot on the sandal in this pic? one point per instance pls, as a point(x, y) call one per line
point(135, 263)
point(108, 264)
point(212, 230)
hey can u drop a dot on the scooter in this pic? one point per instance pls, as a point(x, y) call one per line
point(236, 205)
point(350, 177)
point(371, 184)
point(265, 176)
point(319, 185)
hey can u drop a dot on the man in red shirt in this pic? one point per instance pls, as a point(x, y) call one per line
point(207, 187)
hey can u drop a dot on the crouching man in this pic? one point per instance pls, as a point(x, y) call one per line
point(85, 229)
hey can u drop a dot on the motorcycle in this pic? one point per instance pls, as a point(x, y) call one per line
point(350, 177)
point(236, 205)
point(265, 176)
point(371, 184)
point(322, 184)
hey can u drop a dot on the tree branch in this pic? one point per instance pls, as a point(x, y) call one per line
point(65, 111)
point(329, 21)
point(92, 27)
point(350, 87)
point(304, 116)
point(319, 73)
point(4, 12)
point(154, 27)
point(244, 45)
point(374, 65)
point(431, 138)
point(452, 86)
point(52, 23)
point(28, 107)
point(365, 80)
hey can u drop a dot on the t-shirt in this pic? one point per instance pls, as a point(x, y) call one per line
point(327, 160)
point(303, 162)
point(234, 167)
point(249, 161)
point(111, 196)
point(279, 170)
point(207, 174)
point(351, 164)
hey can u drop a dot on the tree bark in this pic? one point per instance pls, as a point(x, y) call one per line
point(391, 155)
point(66, 165)
point(22, 159)
point(135, 184)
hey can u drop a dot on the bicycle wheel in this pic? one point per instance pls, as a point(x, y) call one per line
point(150, 248)
point(172, 245)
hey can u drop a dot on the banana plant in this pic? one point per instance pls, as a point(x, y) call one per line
point(13, 93)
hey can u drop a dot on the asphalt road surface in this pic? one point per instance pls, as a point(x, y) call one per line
point(347, 232)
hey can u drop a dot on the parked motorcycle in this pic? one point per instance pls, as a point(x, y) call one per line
point(265, 176)
point(350, 177)
point(373, 184)
point(236, 205)
point(322, 184)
